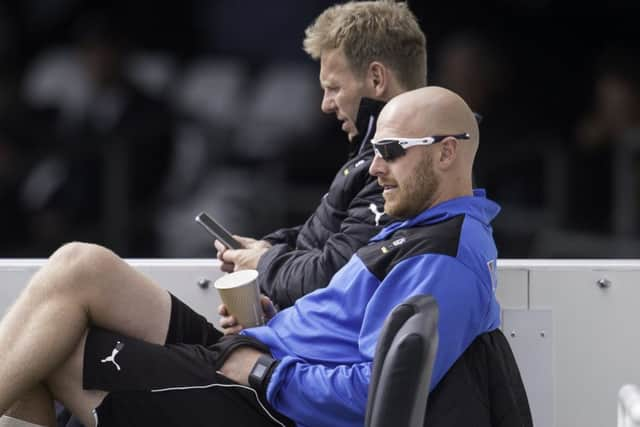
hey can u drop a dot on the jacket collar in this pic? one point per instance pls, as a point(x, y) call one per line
point(477, 206)
point(368, 112)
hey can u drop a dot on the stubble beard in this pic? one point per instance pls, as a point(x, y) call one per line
point(413, 197)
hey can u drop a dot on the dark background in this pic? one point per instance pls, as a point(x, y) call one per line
point(93, 148)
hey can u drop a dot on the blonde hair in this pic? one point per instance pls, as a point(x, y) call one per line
point(369, 31)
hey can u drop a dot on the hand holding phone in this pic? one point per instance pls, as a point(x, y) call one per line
point(218, 231)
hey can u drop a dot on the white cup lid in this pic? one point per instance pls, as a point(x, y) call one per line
point(237, 278)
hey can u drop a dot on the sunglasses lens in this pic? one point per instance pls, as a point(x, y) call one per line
point(389, 149)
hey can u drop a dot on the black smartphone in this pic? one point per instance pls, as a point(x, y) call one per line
point(218, 231)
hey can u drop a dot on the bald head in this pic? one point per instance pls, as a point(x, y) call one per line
point(431, 111)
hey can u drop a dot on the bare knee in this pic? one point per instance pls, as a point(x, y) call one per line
point(79, 251)
point(75, 266)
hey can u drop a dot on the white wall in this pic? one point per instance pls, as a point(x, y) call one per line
point(576, 342)
point(182, 277)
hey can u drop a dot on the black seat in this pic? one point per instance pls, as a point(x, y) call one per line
point(402, 365)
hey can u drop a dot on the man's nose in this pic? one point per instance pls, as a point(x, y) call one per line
point(327, 105)
point(378, 166)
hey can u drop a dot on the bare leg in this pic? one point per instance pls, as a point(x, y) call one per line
point(36, 407)
point(80, 285)
point(66, 384)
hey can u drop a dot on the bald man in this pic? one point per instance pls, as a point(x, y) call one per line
point(159, 363)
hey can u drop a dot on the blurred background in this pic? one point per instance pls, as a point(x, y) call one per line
point(120, 121)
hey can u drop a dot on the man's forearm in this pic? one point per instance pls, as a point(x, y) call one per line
point(238, 365)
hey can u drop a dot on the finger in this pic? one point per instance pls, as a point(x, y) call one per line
point(230, 255)
point(233, 330)
point(227, 267)
point(246, 242)
point(222, 310)
point(228, 322)
point(267, 307)
point(265, 301)
point(219, 246)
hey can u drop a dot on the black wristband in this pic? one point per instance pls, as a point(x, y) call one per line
point(261, 373)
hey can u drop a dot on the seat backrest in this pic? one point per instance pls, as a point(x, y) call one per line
point(402, 365)
point(482, 388)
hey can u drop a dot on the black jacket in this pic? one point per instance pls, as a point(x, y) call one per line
point(482, 389)
point(304, 258)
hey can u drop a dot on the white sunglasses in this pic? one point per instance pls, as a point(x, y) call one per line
point(392, 148)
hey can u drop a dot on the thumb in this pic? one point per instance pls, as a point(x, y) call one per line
point(244, 241)
point(222, 310)
point(267, 307)
point(219, 246)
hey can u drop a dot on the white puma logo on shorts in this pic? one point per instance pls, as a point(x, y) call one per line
point(373, 208)
point(119, 346)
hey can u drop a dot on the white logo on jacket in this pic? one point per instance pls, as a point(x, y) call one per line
point(374, 209)
point(399, 241)
point(491, 265)
point(119, 346)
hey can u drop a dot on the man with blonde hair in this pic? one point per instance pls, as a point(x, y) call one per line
point(160, 364)
point(369, 52)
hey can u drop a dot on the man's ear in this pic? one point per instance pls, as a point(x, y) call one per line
point(448, 152)
point(379, 78)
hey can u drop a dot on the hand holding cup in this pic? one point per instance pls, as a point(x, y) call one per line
point(230, 324)
point(240, 294)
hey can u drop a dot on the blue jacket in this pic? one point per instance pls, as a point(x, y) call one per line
point(326, 341)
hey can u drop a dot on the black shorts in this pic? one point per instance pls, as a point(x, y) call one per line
point(171, 385)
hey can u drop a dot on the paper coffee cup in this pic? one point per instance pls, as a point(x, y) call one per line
point(239, 291)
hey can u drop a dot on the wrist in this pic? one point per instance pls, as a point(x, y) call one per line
point(265, 245)
point(261, 372)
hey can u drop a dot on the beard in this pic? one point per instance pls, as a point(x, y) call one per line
point(414, 196)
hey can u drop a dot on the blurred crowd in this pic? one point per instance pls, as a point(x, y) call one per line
point(119, 122)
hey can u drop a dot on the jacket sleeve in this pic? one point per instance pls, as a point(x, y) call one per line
point(286, 274)
point(337, 397)
point(285, 236)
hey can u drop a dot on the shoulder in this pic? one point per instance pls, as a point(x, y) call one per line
point(441, 238)
point(352, 181)
point(477, 250)
point(355, 171)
